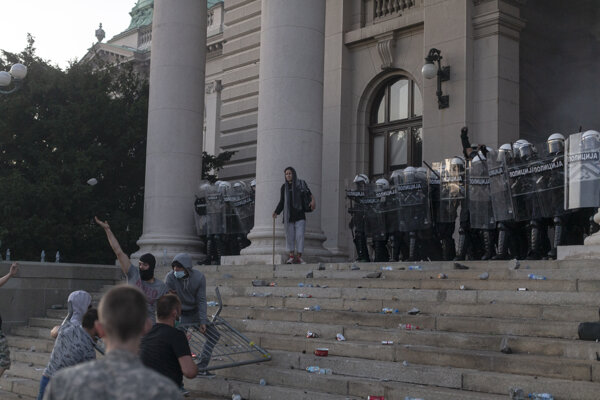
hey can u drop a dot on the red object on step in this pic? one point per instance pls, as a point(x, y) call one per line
point(375, 398)
point(322, 352)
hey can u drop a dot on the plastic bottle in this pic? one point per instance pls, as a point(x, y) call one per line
point(304, 295)
point(537, 278)
point(43, 256)
point(541, 396)
point(236, 397)
point(415, 268)
point(339, 337)
point(325, 371)
point(7, 254)
point(408, 327)
point(263, 382)
point(412, 398)
point(313, 369)
point(388, 268)
point(57, 257)
point(387, 310)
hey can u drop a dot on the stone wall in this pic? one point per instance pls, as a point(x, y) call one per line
point(38, 286)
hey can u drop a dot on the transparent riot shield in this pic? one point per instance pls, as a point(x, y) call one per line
point(582, 172)
point(550, 183)
point(413, 194)
point(215, 208)
point(200, 212)
point(358, 207)
point(452, 188)
point(521, 175)
point(480, 203)
point(376, 199)
point(500, 192)
point(434, 190)
point(233, 224)
point(244, 208)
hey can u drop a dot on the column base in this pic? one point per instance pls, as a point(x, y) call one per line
point(262, 246)
point(581, 252)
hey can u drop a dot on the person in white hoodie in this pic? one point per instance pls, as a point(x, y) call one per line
point(190, 286)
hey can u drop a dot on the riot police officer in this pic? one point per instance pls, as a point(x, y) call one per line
point(358, 209)
point(379, 227)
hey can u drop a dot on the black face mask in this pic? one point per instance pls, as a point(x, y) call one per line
point(147, 274)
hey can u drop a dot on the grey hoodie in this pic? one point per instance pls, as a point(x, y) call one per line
point(191, 290)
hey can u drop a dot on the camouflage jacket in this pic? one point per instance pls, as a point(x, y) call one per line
point(120, 375)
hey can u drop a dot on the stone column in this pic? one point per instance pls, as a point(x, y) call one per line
point(175, 123)
point(290, 118)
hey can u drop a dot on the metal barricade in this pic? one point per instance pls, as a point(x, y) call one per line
point(229, 347)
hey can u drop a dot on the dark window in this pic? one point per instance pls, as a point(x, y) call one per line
point(396, 124)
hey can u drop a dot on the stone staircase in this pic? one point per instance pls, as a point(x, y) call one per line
point(455, 353)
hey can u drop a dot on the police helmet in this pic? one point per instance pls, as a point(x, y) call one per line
point(555, 143)
point(223, 186)
point(382, 183)
point(590, 140)
point(422, 173)
point(253, 183)
point(361, 178)
point(505, 152)
point(397, 176)
point(239, 185)
point(410, 174)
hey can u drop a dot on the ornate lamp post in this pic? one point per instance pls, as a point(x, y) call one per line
point(16, 76)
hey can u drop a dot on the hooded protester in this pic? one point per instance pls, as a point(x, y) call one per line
point(294, 195)
point(141, 276)
point(190, 287)
point(75, 342)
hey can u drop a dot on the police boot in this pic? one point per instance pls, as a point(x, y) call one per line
point(534, 242)
point(488, 244)
point(448, 249)
point(395, 241)
point(360, 243)
point(558, 235)
point(412, 247)
point(461, 252)
point(220, 247)
point(502, 246)
point(210, 250)
point(381, 251)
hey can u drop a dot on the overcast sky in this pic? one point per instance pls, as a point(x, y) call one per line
point(63, 29)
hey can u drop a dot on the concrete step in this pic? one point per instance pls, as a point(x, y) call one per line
point(4, 395)
point(341, 385)
point(30, 357)
point(518, 364)
point(557, 313)
point(330, 323)
point(28, 388)
point(31, 332)
point(45, 322)
point(466, 296)
point(25, 370)
point(31, 343)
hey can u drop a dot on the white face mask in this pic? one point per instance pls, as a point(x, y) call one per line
point(179, 274)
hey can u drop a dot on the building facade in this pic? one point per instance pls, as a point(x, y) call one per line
point(517, 68)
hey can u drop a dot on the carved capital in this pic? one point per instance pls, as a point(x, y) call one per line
point(212, 87)
point(385, 44)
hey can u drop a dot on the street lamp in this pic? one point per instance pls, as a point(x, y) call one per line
point(17, 74)
point(443, 74)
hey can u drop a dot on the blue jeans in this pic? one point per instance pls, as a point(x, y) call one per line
point(43, 384)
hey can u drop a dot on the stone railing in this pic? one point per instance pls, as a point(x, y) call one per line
point(389, 8)
point(145, 37)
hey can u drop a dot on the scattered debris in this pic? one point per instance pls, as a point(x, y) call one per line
point(260, 282)
point(387, 268)
point(313, 308)
point(321, 267)
point(441, 275)
point(405, 363)
point(460, 266)
point(504, 347)
point(415, 268)
point(514, 264)
point(516, 394)
point(414, 311)
point(373, 275)
point(387, 310)
point(462, 287)
point(484, 276)
point(339, 337)
point(304, 295)
point(262, 382)
point(310, 275)
point(212, 303)
point(227, 276)
point(354, 267)
point(310, 334)
point(408, 327)
point(536, 277)
point(522, 289)
point(387, 342)
point(255, 294)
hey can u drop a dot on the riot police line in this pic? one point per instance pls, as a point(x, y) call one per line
point(519, 201)
point(224, 215)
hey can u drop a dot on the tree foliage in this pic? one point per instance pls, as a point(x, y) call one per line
point(61, 129)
